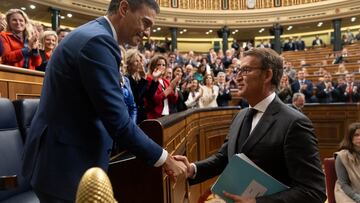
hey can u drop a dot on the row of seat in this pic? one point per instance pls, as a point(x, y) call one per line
point(15, 120)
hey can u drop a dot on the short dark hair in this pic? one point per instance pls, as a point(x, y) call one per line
point(134, 5)
point(269, 59)
point(59, 30)
point(347, 142)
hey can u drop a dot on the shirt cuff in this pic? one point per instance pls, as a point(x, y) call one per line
point(195, 170)
point(162, 159)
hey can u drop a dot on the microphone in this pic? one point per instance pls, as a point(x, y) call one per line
point(95, 187)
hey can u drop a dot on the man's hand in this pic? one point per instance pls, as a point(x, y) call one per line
point(190, 168)
point(174, 168)
point(239, 199)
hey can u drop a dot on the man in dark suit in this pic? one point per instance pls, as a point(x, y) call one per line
point(302, 85)
point(298, 101)
point(281, 140)
point(81, 109)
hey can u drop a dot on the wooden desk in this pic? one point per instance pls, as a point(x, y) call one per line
point(195, 133)
point(19, 83)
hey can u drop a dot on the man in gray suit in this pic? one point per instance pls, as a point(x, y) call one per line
point(281, 140)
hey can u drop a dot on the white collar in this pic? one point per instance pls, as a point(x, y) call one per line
point(262, 106)
point(112, 28)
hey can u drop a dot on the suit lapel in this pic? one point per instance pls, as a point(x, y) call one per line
point(234, 132)
point(264, 124)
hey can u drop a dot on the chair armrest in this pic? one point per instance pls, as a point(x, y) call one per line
point(8, 182)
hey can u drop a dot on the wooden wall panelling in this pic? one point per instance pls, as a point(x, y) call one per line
point(4, 91)
point(330, 123)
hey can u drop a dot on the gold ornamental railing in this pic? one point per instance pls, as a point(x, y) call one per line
point(230, 4)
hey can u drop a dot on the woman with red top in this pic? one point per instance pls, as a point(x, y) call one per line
point(158, 105)
point(20, 42)
point(49, 41)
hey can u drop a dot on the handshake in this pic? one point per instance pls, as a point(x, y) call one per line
point(178, 166)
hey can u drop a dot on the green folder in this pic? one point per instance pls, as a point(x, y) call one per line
point(243, 177)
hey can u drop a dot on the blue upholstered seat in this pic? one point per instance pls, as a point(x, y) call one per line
point(11, 148)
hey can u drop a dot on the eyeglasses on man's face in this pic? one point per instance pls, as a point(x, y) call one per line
point(246, 70)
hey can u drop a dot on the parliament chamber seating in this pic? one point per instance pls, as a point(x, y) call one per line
point(330, 175)
point(25, 110)
point(14, 188)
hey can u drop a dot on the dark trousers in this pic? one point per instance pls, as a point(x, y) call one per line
point(46, 198)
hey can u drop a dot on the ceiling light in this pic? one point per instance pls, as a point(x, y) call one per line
point(159, 28)
point(236, 30)
point(207, 33)
point(261, 30)
point(181, 32)
point(184, 30)
point(32, 6)
point(154, 30)
point(290, 27)
point(69, 15)
point(62, 17)
point(320, 24)
point(23, 8)
point(210, 31)
point(233, 32)
point(353, 19)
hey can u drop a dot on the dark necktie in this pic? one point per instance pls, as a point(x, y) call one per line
point(245, 128)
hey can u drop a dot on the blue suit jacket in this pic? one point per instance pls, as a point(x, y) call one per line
point(81, 111)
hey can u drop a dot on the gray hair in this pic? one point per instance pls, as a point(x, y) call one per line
point(297, 95)
point(134, 5)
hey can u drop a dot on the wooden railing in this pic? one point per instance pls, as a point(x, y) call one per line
point(19, 83)
point(195, 133)
point(229, 4)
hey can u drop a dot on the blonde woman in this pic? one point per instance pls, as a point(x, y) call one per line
point(49, 41)
point(20, 41)
point(210, 93)
point(138, 83)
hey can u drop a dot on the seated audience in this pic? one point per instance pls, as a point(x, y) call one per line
point(303, 86)
point(289, 45)
point(200, 73)
point(347, 165)
point(195, 94)
point(158, 105)
point(224, 91)
point(289, 71)
point(350, 36)
point(61, 33)
point(341, 57)
point(3, 25)
point(217, 66)
point(358, 36)
point(341, 70)
point(284, 92)
point(326, 91)
point(317, 42)
point(49, 42)
point(346, 40)
point(182, 95)
point(320, 72)
point(20, 42)
point(138, 83)
point(210, 93)
point(348, 92)
point(300, 44)
point(298, 101)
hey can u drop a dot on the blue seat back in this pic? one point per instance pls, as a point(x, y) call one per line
point(25, 110)
point(11, 149)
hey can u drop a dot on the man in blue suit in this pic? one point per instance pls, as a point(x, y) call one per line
point(82, 108)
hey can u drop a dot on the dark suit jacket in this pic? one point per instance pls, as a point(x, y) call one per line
point(308, 92)
point(81, 111)
point(284, 145)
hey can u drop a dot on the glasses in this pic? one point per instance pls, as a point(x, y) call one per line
point(246, 70)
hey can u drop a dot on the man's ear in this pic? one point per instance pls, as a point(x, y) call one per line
point(123, 8)
point(268, 75)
